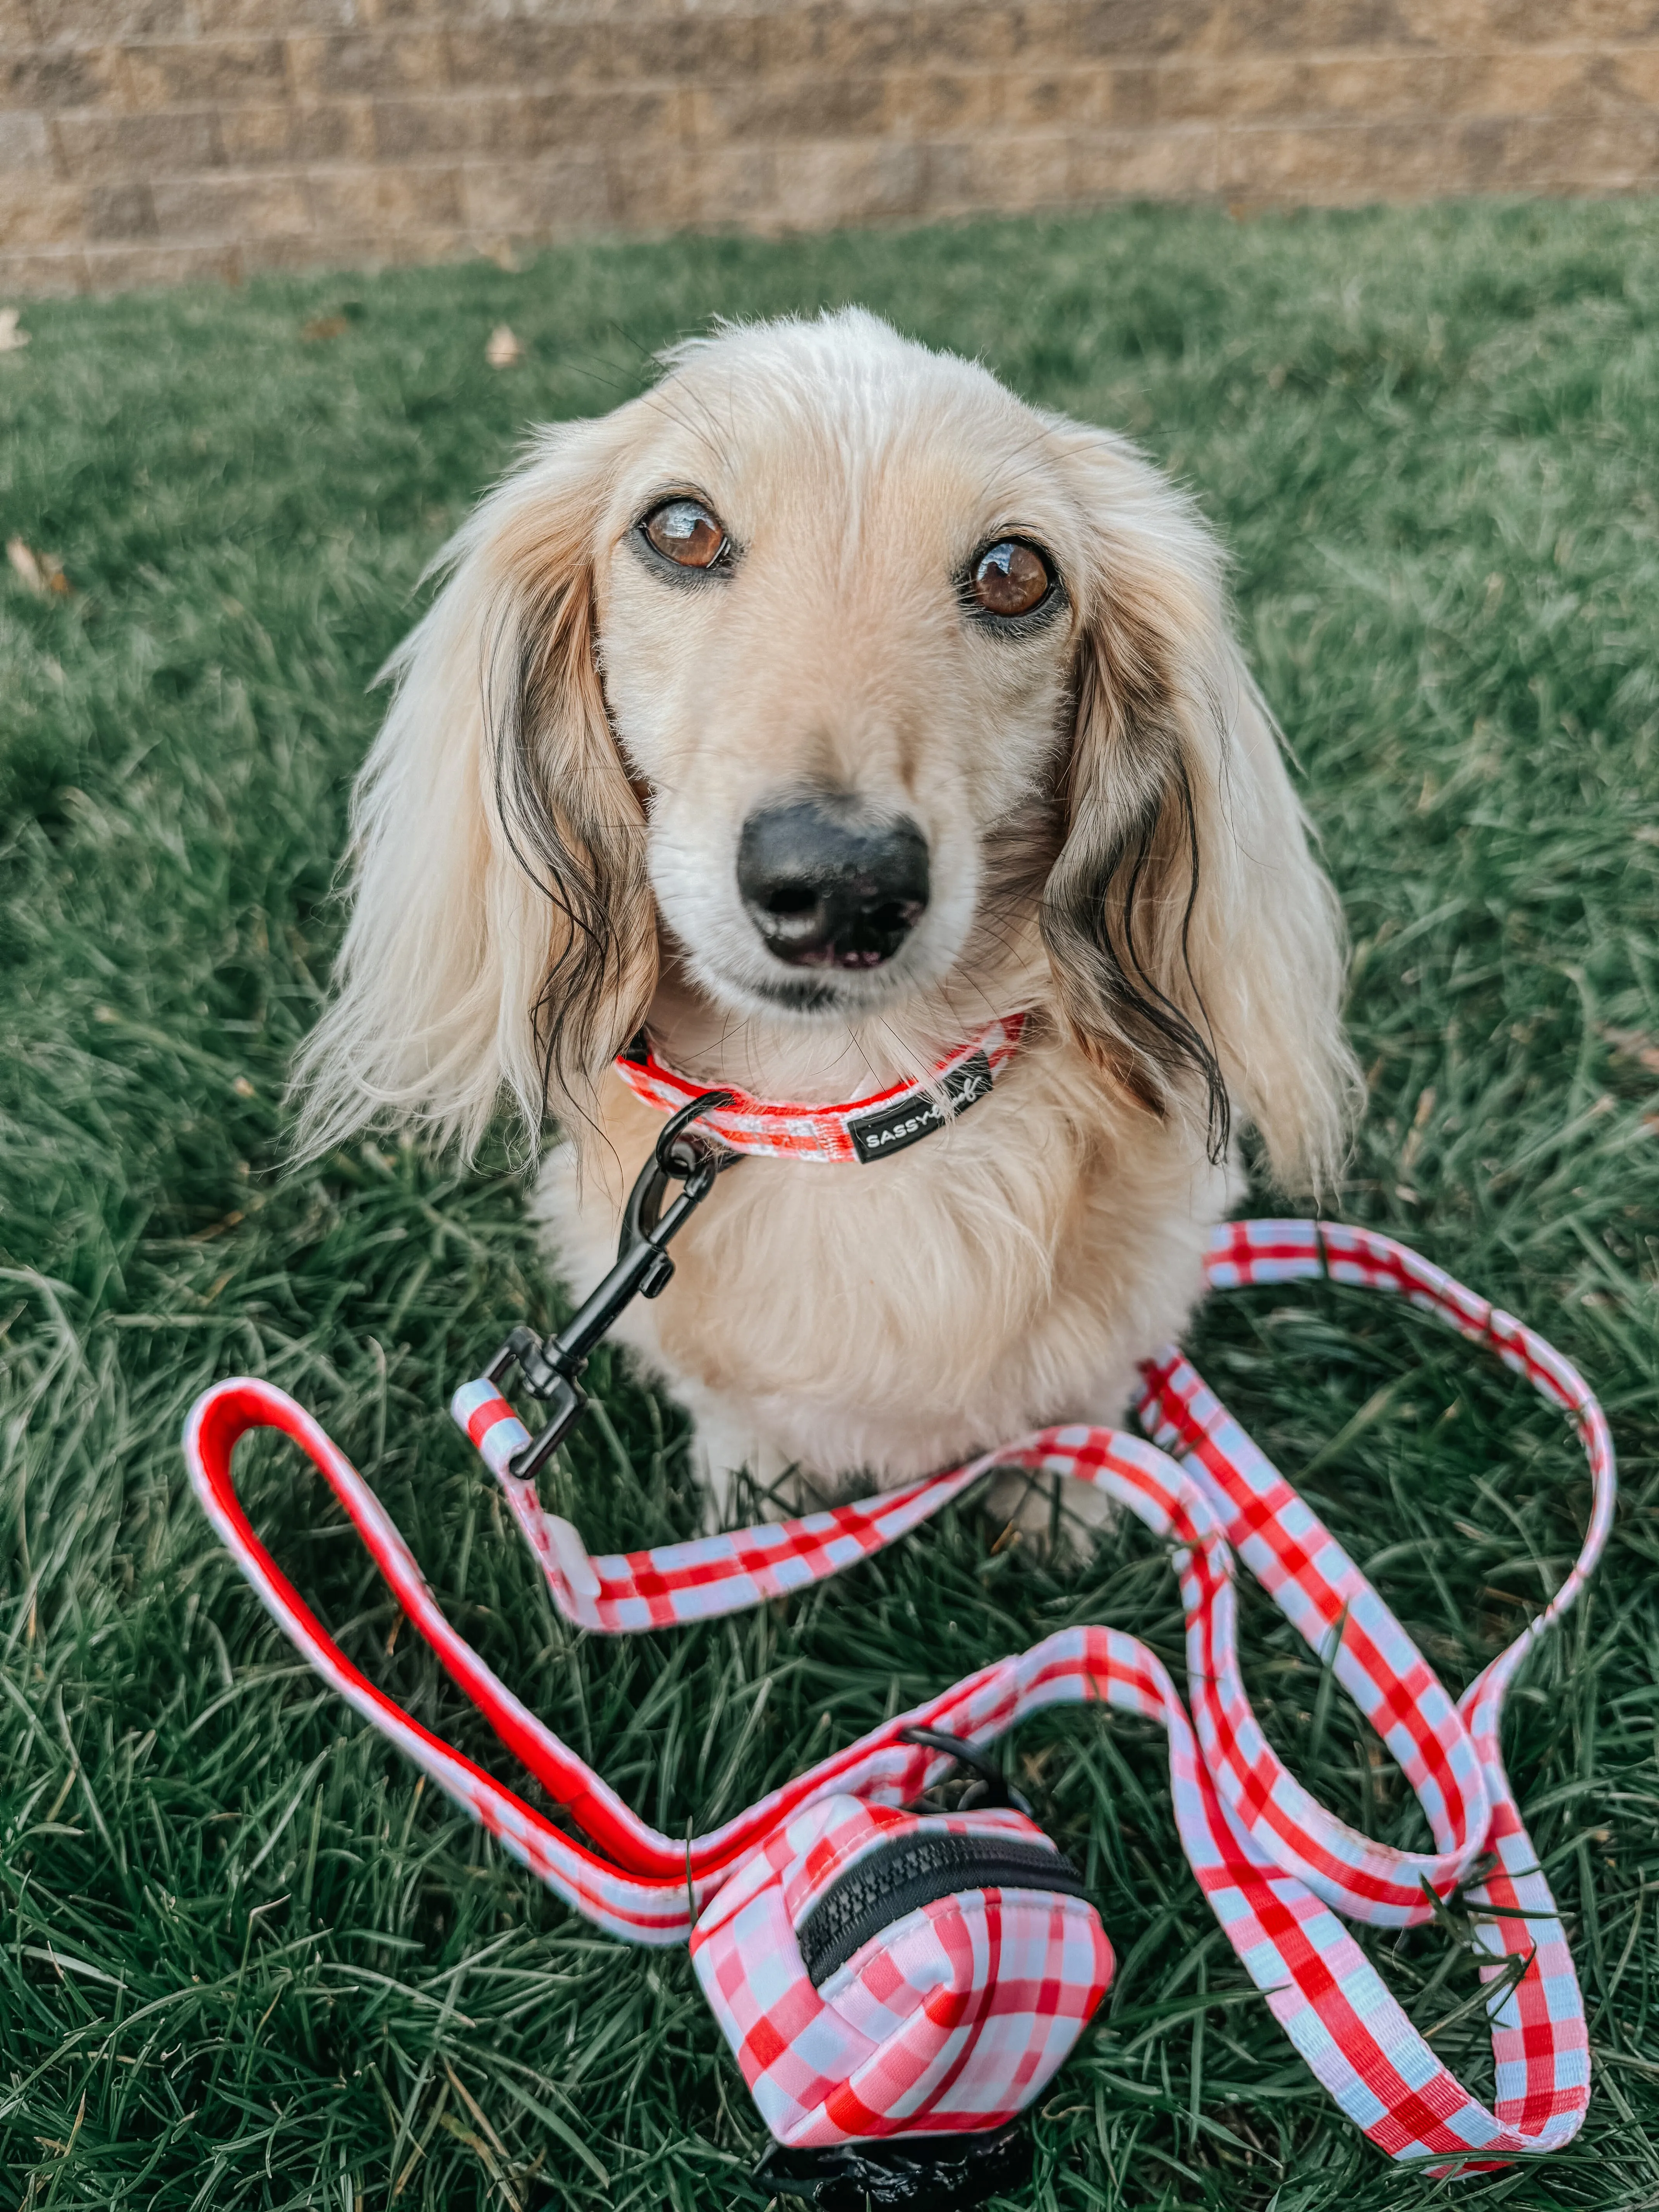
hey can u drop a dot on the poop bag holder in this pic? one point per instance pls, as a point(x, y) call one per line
point(899, 1981)
point(874, 1968)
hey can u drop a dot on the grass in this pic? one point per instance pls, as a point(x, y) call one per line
point(244, 1961)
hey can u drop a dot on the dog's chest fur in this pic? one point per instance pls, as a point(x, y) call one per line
point(880, 1320)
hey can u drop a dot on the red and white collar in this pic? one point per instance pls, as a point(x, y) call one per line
point(863, 1129)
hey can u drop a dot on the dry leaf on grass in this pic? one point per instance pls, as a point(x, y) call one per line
point(503, 348)
point(12, 340)
point(40, 572)
point(1633, 1044)
point(321, 327)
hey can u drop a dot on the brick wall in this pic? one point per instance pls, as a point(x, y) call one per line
point(148, 141)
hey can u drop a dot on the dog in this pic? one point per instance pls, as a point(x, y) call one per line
point(808, 713)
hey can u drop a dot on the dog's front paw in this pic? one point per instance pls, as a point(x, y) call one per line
point(1048, 1515)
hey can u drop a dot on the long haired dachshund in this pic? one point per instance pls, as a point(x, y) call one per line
point(808, 714)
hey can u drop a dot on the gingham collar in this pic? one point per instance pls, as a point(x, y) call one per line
point(862, 1129)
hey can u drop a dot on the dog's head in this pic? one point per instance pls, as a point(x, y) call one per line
point(857, 686)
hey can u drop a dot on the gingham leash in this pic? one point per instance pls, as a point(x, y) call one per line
point(1275, 1866)
point(865, 1129)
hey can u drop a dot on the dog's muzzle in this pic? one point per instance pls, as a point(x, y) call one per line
point(897, 1986)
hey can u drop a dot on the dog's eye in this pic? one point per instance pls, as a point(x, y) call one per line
point(1009, 578)
point(684, 531)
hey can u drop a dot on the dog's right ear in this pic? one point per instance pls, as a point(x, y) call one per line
point(1196, 947)
point(501, 933)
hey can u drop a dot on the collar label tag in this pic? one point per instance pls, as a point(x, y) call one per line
point(875, 1135)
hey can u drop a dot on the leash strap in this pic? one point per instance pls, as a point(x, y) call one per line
point(1275, 1866)
point(862, 1129)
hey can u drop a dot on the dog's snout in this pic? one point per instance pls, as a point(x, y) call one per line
point(826, 889)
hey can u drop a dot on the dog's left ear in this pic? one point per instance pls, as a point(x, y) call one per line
point(502, 937)
point(1197, 949)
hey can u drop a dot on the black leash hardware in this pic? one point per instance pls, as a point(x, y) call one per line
point(991, 1789)
point(550, 1370)
point(924, 2173)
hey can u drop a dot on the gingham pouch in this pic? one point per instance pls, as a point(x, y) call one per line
point(877, 1971)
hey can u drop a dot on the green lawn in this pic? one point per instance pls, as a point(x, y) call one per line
point(244, 1960)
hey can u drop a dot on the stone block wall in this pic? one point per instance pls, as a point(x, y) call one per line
point(152, 141)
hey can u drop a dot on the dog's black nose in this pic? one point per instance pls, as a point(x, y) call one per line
point(827, 890)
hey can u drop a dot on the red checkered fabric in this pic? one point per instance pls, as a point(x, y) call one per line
point(951, 2019)
point(780, 1129)
point(1276, 1868)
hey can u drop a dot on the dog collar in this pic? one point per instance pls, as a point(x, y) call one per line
point(862, 1129)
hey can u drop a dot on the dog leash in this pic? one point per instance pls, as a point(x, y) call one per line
point(1276, 1868)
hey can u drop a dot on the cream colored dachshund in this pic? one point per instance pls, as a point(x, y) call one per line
point(821, 712)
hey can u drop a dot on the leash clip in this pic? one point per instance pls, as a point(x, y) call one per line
point(550, 1369)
